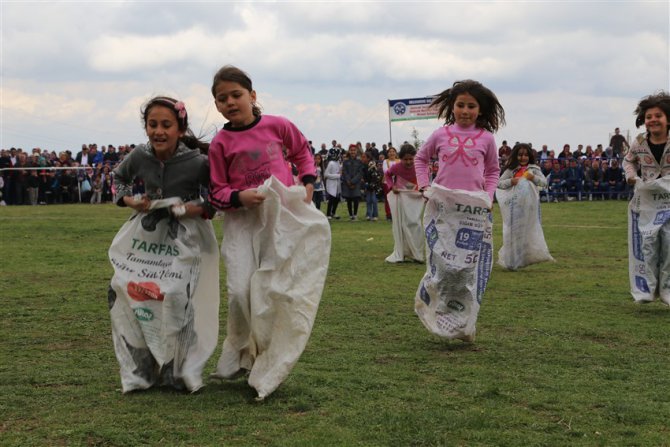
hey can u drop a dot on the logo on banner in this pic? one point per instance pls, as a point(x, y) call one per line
point(399, 108)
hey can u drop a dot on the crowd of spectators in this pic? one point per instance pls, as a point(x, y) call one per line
point(42, 177)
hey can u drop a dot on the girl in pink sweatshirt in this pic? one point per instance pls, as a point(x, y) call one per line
point(467, 158)
point(465, 148)
point(248, 150)
point(402, 176)
point(250, 147)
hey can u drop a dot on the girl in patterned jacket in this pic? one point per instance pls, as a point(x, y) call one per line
point(649, 232)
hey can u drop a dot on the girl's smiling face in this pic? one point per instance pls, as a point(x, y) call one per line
point(466, 110)
point(523, 157)
point(163, 131)
point(656, 122)
point(235, 103)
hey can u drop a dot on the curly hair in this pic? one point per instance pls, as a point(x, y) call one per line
point(659, 99)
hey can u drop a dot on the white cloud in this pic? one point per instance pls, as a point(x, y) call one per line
point(565, 71)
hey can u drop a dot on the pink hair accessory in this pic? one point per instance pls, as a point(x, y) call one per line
point(181, 109)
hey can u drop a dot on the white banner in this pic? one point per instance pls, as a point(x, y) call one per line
point(411, 109)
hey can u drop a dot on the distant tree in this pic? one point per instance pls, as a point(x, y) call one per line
point(416, 141)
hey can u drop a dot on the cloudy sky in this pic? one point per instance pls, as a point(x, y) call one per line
point(565, 71)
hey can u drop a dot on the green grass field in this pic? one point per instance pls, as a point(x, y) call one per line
point(563, 355)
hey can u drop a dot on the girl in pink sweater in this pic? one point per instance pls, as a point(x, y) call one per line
point(458, 236)
point(465, 147)
point(402, 176)
point(250, 149)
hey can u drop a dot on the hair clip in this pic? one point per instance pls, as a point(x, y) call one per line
point(181, 109)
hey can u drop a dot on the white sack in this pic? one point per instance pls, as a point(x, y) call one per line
point(164, 298)
point(408, 235)
point(277, 258)
point(458, 230)
point(523, 239)
point(649, 241)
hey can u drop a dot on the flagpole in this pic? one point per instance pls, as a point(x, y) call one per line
point(388, 107)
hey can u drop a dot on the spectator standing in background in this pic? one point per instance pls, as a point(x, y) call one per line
point(614, 179)
point(504, 152)
point(352, 181)
point(96, 189)
point(5, 162)
point(372, 186)
point(574, 177)
point(83, 156)
point(556, 181)
point(111, 156)
point(546, 167)
point(374, 152)
point(617, 143)
point(317, 196)
point(391, 159)
point(594, 180)
point(609, 154)
point(18, 185)
point(565, 154)
point(331, 177)
point(588, 153)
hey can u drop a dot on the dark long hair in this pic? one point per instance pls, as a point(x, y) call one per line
point(492, 114)
point(406, 149)
point(513, 160)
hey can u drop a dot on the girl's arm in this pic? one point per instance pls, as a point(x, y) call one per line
point(220, 190)
point(385, 165)
point(505, 181)
point(422, 160)
point(389, 177)
point(631, 162)
point(201, 208)
point(298, 152)
point(123, 182)
point(491, 168)
point(538, 177)
point(332, 171)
